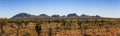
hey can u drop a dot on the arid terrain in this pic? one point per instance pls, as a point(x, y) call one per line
point(60, 27)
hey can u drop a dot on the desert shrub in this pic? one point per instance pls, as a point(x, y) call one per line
point(12, 26)
point(50, 32)
point(86, 34)
point(38, 28)
point(27, 34)
point(0, 34)
point(118, 34)
point(57, 29)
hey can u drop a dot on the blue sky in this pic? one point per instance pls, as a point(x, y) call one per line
point(104, 8)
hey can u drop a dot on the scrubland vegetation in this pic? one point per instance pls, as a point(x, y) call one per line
point(60, 27)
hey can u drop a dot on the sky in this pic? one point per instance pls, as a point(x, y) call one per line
point(104, 8)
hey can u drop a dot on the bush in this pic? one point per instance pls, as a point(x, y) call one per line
point(0, 34)
point(118, 34)
point(27, 34)
point(86, 35)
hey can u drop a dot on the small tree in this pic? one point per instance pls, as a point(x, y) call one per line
point(50, 32)
point(38, 28)
point(2, 23)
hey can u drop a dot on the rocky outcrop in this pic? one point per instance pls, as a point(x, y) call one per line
point(43, 16)
point(72, 15)
point(55, 16)
point(23, 15)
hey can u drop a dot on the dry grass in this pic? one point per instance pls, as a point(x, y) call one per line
point(89, 27)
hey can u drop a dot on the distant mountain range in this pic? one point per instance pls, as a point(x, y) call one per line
point(72, 15)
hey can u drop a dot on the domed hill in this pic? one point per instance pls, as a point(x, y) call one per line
point(44, 16)
point(25, 15)
point(22, 15)
point(72, 15)
point(87, 16)
point(55, 16)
